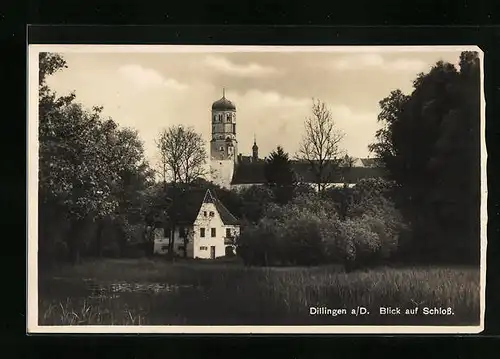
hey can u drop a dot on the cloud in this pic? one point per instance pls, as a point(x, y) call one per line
point(258, 98)
point(148, 78)
point(376, 61)
point(223, 65)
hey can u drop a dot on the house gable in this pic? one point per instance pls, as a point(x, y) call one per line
point(212, 204)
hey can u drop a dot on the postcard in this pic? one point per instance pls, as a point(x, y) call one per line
point(256, 189)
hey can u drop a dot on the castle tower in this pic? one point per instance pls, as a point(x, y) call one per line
point(255, 150)
point(223, 146)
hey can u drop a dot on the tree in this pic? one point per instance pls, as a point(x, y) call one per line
point(279, 175)
point(182, 160)
point(430, 145)
point(392, 108)
point(134, 177)
point(320, 144)
point(75, 168)
point(85, 161)
point(182, 155)
point(255, 199)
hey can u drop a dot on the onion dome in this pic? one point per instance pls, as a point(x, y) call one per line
point(223, 104)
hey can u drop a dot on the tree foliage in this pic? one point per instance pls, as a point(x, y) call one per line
point(89, 168)
point(279, 174)
point(309, 230)
point(430, 145)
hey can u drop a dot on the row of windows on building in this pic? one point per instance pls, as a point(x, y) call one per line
point(213, 232)
point(181, 248)
point(219, 117)
point(231, 129)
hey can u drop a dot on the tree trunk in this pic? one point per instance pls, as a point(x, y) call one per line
point(74, 242)
point(100, 228)
point(171, 243)
point(185, 246)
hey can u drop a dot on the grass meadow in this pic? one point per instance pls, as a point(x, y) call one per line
point(156, 292)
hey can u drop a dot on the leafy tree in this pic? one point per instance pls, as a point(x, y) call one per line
point(134, 177)
point(320, 144)
point(255, 199)
point(84, 163)
point(430, 145)
point(279, 175)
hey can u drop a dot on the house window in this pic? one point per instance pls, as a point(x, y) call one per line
point(211, 214)
point(166, 232)
point(203, 248)
point(164, 248)
point(202, 232)
point(204, 213)
point(181, 248)
point(212, 232)
point(228, 118)
point(234, 128)
point(221, 148)
point(228, 232)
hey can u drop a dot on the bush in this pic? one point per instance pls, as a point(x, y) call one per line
point(291, 234)
point(309, 231)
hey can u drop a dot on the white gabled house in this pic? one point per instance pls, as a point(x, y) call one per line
point(207, 227)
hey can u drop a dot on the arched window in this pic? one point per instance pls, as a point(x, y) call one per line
point(220, 117)
point(228, 117)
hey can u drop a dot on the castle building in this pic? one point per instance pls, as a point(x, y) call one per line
point(232, 170)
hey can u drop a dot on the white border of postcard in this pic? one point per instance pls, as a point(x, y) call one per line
point(32, 198)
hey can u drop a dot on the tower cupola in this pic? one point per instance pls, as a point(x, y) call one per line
point(223, 104)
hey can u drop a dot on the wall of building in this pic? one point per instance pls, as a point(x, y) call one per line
point(161, 241)
point(209, 218)
point(221, 172)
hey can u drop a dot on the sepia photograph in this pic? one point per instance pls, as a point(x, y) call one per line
point(256, 189)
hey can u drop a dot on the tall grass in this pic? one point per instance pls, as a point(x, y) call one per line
point(224, 293)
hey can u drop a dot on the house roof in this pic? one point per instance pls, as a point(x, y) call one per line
point(227, 217)
point(190, 202)
point(253, 173)
point(370, 162)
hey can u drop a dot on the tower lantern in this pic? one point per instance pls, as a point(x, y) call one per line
point(255, 150)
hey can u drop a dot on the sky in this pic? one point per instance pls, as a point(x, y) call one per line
point(272, 91)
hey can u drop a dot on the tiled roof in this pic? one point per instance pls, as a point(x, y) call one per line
point(253, 173)
point(227, 217)
point(190, 202)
